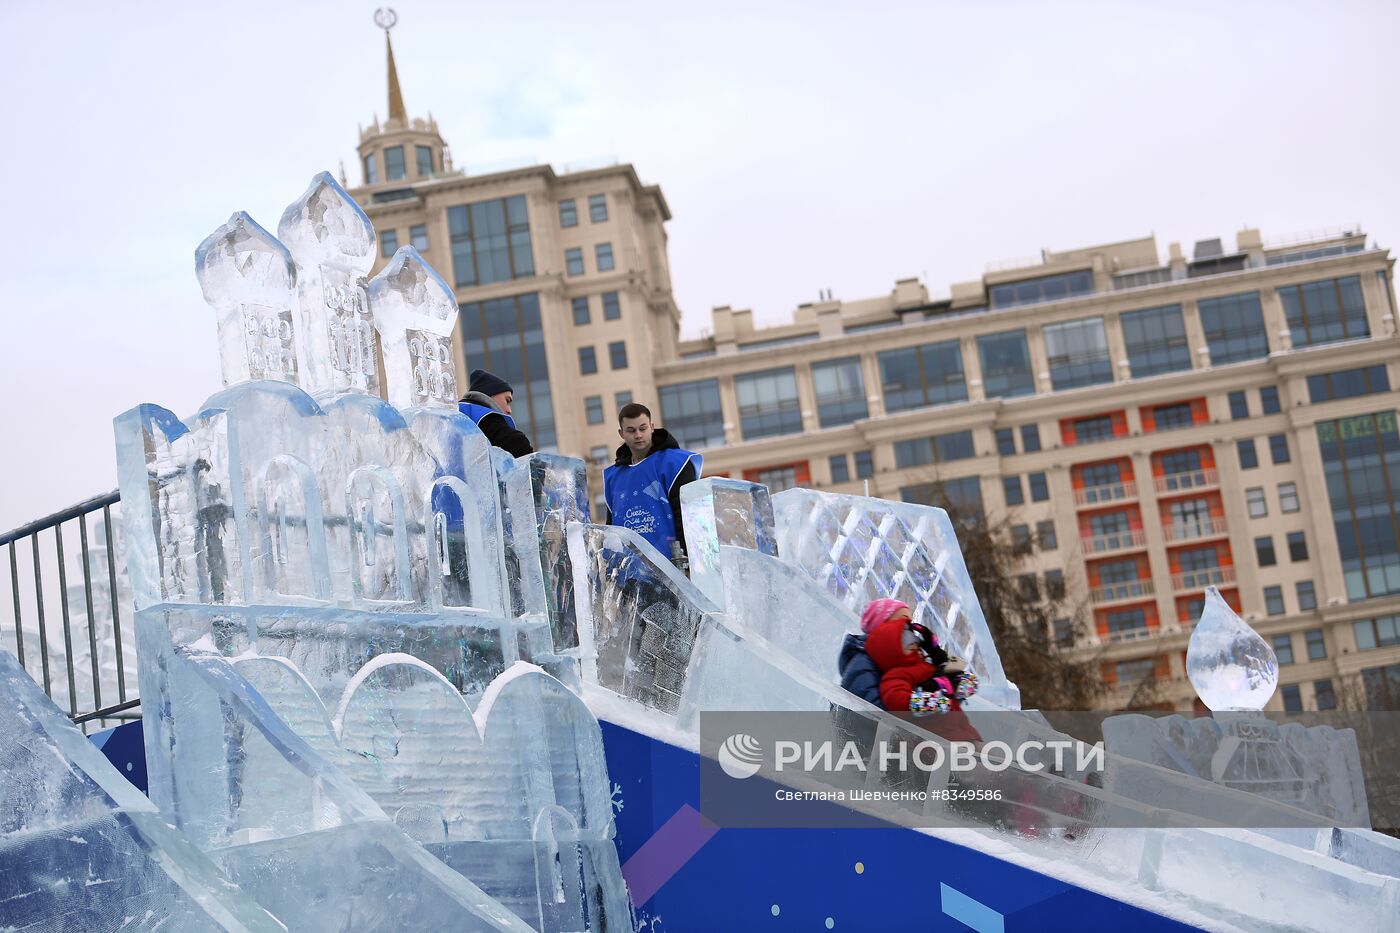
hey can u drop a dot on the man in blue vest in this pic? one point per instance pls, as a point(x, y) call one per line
point(487, 403)
point(643, 486)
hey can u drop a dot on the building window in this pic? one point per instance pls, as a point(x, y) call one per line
point(777, 478)
point(1278, 448)
point(1264, 551)
point(1006, 365)
point(593, 405)
point(1054, 584)
point(1040, 489)
point(954, 446)
point(1127, 620)
point(1190, 518)
point(394, 167)
point(599, 454)
point(1307, 595)
point(1283, 648)
point(1029, 586)
point(1361, 465)
point(1172, 417)
point(603, 255)
point(597, 208)
point(424, 155)
point(1045, 533)
point(581, 309)
point(1288, 497)
point(617, 354)
point(573, 261)
point(1348, 383)
point(840, 391)
point(1377, 633)
point(1325, 312)
point(1268, 400)
point(587, 361)
point(1118, 571)
point(962, 498)
point(840, 468)
point(914, 452)
point(1021, 544)
point(1012, 490)
point(1297, 546)
point(1239, 406)
point(931, 374)
point(1091, 430)
point(1255, 501)
point(612, 307)
point(1030, 438)
point(1179, 463)
point(1156, 341)
point(1078, 353)
point(622, 399)
point(505, 336)
point(418, 236)
point(1099, 475)
point(388, 242)
point(865, 464)
point(1006, 441)
point(768, 403)
point(1044, 288)
point(1234, 328)
point(490, 241)
point(1323, 695)
point(568, 213)
point(1317, 644)
point(371, 170)
point(1133, 673)
point(692, 412)
point(1273, 600)
point(1292, 699)
point(1249, 457)
point(1382, 686)
point(1064, 633)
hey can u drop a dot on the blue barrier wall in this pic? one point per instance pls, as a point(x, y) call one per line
point(689, 875)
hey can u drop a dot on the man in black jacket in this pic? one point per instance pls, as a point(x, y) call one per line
point(487, 403)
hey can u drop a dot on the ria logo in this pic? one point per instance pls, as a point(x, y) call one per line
point(741, 756)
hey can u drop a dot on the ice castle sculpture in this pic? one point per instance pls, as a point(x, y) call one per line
point(372, 648)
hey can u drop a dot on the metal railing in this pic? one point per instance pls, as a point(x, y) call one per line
point(1189, 481)
point(99, 601)
point(1115, 541)
point(1116, 592)
point(1200, 579)
point(1109, 492)
point(1190, 531)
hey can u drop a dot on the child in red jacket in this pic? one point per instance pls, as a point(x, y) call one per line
point(918, 676)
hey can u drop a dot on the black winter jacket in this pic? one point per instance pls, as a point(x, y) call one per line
point(497, 430)
point(859, 674)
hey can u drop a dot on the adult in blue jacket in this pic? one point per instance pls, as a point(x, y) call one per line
point(487, 403)
point(643, 486)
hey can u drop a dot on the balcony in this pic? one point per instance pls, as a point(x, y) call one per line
point(1133, 634)
point(1174, 483)
point(1117, 541)
point(1194, 531)
point(1101, 495)
point(1200, 579)
point(1117, 592)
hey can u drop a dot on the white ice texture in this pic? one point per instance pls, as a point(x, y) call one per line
point(363, 635)
point(82, 849)
point(1230, 666)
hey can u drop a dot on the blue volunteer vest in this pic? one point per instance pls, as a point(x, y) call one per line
point(637, 494)
point(477, 412)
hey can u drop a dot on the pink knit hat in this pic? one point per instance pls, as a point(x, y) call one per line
point(878, 613)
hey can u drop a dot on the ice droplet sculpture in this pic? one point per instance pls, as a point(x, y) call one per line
point(1230, 666)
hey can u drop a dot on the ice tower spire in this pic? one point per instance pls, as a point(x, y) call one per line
point(385, 18)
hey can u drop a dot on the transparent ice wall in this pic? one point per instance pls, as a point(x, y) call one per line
point(863, 549)
point(82, 848)
point(717, 512)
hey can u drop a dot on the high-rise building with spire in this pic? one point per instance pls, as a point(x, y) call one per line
point(1146, 428)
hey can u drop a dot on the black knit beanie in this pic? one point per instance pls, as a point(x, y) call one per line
point(487, 383)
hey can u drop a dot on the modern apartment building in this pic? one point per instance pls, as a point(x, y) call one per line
point(1146, 428)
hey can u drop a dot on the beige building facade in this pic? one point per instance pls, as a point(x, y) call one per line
point(1146, 428)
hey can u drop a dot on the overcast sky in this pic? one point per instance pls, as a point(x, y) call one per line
point(801, 146)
